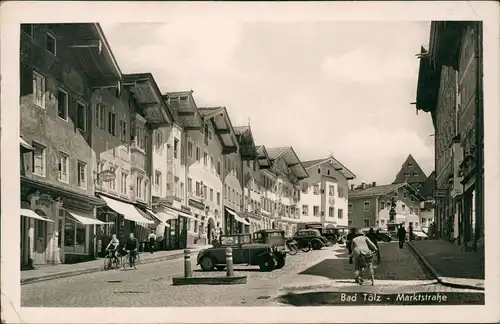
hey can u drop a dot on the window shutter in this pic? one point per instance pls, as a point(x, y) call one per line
point(26, 71)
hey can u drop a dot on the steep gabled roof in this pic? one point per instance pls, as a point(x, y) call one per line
point(429, 186)
point(410, 172)
point(222, 126)
point(263, 157)
point(246, 142)
point(334, 162)
point(382, 190)
point(291, 159)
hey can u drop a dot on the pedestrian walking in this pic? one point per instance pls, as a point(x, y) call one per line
point(152, 241)
point(410, 231)
point(401, 235)
point(373, 236)
point(350, 236)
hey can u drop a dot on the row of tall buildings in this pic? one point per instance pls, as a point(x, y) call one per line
point(104, 152)
point(450, 88)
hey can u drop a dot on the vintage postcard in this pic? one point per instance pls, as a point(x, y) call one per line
point(249, 158)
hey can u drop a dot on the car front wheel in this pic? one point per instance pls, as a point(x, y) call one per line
point(207, 264)
point(267, 263)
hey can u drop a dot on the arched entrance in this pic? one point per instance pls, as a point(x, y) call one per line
point(210, 230)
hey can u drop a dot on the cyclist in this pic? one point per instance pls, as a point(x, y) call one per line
point(131, 246)
point(112, 248)
point(362, 249)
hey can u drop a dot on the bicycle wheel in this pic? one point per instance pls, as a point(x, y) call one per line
point(107, 261)
point(306, 248)
point(292, 249)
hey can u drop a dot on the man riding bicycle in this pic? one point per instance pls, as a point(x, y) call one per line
point(112, 248)
point(131, 247)
point(362, 255)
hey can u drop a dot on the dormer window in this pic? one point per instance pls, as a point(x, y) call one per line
point(51, 44)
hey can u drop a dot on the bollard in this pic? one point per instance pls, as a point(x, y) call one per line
point(188, 273)
point(229, 262)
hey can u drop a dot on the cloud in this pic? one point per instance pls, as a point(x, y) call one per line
point(320, 87)
point(364, 65)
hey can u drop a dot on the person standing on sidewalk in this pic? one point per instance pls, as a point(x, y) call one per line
point(373, 237)
point(152, 241)
point(401, 235)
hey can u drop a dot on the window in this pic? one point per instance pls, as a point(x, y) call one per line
point(112, 123)
point(50, 44)
point(331, 190)
point(367, 205)
point(218, 167)
point(198, 189)
point(388, 205)
point(328, 172)
point(100, 115)
point(340, 213)
point(82, 174)
point(205, 158)
point(218, 198)
point(158, 140)
point(404, 194)
point(138, 188)
point(190, 149)
point(305, 210)
point(316, 189)
point(140, 138)
point(190, 186)
point(27, 29)
point(75, 236)
point(81, 116)
point(331, 212)
point(38, 89)
point(182, 190)
point(382, 205)
point(349, 208)
point(316, 211)
point(341, 192)
point(319, 170)
point(158, 182)
point(212, 165)
point(411, 210)
point(410, 165)
point(233, 197)
point(403, 207)
point(112, 183)
point(367, 222)
point(123, 183)
point(176, 187)
point(176, 148)
point(417, 211)
point(198, 154)
point(205, 191)
point(38, 160)
point(63, 167)
point(211, 194)
point(62, 104)
point(123, 131)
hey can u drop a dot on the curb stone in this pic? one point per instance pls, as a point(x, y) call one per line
point(73, 273)
point(436, 274)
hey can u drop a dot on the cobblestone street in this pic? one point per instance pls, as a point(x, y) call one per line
point(306, 274)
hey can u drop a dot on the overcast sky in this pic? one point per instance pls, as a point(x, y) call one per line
point(322, 87)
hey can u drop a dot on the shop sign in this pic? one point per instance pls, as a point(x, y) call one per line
point(106, 176)
point(196, 204)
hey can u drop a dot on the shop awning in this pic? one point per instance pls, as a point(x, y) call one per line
point(185, 215)
point(162, 217)
point(25, 144)
point(237, 218)
point(127, 210)
point(31, 214)
point(85, 220)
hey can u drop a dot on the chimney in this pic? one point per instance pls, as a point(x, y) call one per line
point(374, 184)
point(363, 185)
point(352, 187)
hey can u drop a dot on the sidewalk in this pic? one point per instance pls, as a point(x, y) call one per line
point(48, 272)
point(450, 265)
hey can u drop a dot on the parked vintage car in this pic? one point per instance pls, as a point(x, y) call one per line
point(267, 256)
point(274, 237)
point(383, 235)
point(419, 235)
point(310, 237)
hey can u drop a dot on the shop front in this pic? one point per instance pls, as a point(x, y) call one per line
point(121, 218)
point(235, 224)
point(197, 231)
point(176, 236)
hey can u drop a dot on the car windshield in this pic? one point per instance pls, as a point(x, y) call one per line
point(275, 234)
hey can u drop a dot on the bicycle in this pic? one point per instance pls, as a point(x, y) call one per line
point(135, 259)
point(111, 260)
point(292, 247)
point(365, 262)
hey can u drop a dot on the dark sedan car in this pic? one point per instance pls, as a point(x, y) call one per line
point(382, 236)
point(266, 256)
